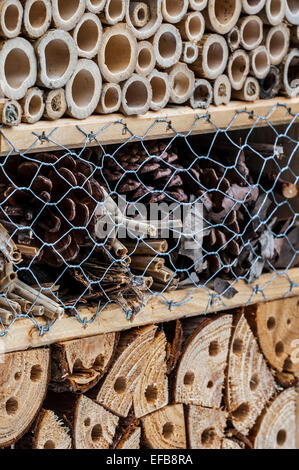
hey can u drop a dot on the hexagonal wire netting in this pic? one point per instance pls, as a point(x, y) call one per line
point(123, 223)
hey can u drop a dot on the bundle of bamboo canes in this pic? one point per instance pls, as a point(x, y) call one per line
point(82, 57)
point(216, 382)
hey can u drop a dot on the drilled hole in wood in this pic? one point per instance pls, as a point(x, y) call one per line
point(279, 348)
point(99, 362)
point(210, 384)
point(254, 382)
point(208, 437)
point(289, 321)
point(241, 412)
point(189, 378)
point(87, 422)
point(36, 373)
point(120, 385)
point(271, 323)
point(11, 406)
point(49, 445)
point(151, 393)
point(281, 437)
point(238, 346)
point(18, 376)
point(167, 430)
point(214, 348)
point(96, 433)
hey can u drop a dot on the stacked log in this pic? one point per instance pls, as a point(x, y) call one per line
point(199, 383)
point(102, 56)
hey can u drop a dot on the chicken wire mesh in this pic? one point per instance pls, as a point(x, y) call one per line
point(123, 223)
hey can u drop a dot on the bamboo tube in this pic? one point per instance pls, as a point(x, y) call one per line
point(233, 39)
point(6, 317)
point(190, 53)
point(260, 62)
point(181, 82)
point(295, 35)
point(55, 104)
point(202, 94)
point(57, 57)
point(24, 304)
point(277, 41)
point(251, 32)
point(146, 60)
point(147, 263)
point(167, 43)
point(221, 19)
point(212, 57)
point(271, 84)
point(290, 77)
point(11, 14)
point(222, 90)
point(139, 14)
point(114, 12)
point(252, 7)
point(110, 99)
point(8, 248)
point(95, 6)
point(88, 35)
point(197, 5)
point(10, 112)
point(8, 279)
point(36, 18)
point(160, 90)
point(292, 12)
point(17, 68)
point(83, 90)
point(238, 68)
point(155, 20)
point(65, 15)
point(161, 276)
point(148, 247)
point(136, 95)
point(273, 12)
point(10, 305)
point(192, 26)
point(119, 249)
point(173, 12)
point(249, 92)
point(117, 56)
point(33, 105)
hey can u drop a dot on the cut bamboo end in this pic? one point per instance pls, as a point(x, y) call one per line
point(277, 43)
point(197, 5)
point(32, 105)
point(65, 15)
point(222, 90)
point(11, 16)
point(165, 428)
point(114, 12)
point(83, 90)
point(18, 68)
point(205, 427)
point(292, 12)
point(290, 78)
point(110, 99)
point(192, 26)
point(117, 56)
point(238, 68)
point(271, 84)
point(222, 18)
point(233, 39)
point(212, 57)
point(55, 104)
point(10, 112)
point(202, 94)
point(174, 11)
point(88, 35)
point(50, 432)
point(57, 58)
point(295, 35)
point(145, 58)
point(155, 20)
point(160, 90)
point(37, 18)
point(190, 53)
point(273, 12)
point(276, 429)
point(139, 14)
point(168, 45)
point(95, 6)
point(249, 92)
point(260, 62)
point(251, 32)
point(136, 95)
point(24, 381)
point(181, 82)
point(252, 7)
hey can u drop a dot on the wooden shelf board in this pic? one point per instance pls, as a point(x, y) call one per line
point(117, 128)
point(23, 334)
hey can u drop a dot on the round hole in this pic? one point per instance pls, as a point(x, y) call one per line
point(159, 89)
point(172, 7)
point(241, 412)
point(167, 430)
point(271, 323)
point(224, 12)
point(96, 433)
point(18, 376)
point(208, 437)
point(251, 32)
point(11, 17)
point(238, 346)
point(181, 84)
point(35, 105)
point(276, 44)
point(275, 7)
point(11, 406)
point(279, 348)
point(281, 437)
point(151, 393)
point(56, 103)
point(17, 68)
point(238, 68)
point(88, 36)
point(83, 88)
point(144, 58)
point(234, 38)
point(67, 9)
point(115, 8)
point(49, 445)
point(214, 348)
point(254, 382)
point(215, 56)
point(37, 14)
point(289, 321)
point(57, 57)
point(136, 94)
point(87, 422)
point(201, 93)
point(120, 385)
point(36, 373)
point(210, 384)
point(111, 98)
point(167, 45)
point(118, 46)
point(141, 14)
point(194, 26)
point(189, 378)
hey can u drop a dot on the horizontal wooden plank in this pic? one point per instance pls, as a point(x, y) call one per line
point(23, 334)
point(117, 128)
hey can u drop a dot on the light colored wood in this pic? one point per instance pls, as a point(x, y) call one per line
point(205, 427)
point(23, 334)
point(50, 432)
point(117, 128)
point(165, 428)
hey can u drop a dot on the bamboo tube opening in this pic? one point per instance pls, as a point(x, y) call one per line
point(11, 19)
point(222, 90)
point(251, 32)
point(220, 18)
point(37, 17)
point(136, 95)
point(145, 58)
point(168, 46)
point(160, 89)
point(291, 73)
point(55, 104)
point(114, 11)
point(202, 94)
point(67, 14)
point(10, 115)
point(252, 7)
point(273, 12)
point(292, 11)
point(174, 10)
point(212, 58)
point(33, 105)
point(152, 25)
point(238, 68)
point(260, 62)
point(95, 6)
point(197, 5)
point(249, 92)
point(37, 14)
point(110, 99)
point(139, 14)
point(192, 27)
point(215, 56)
point(57, 57)
point(17, 67)
point(181, 81)
point(277, 43)
point(190, 53)
point(88, 35)
point(233, 39)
